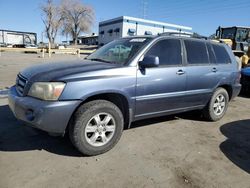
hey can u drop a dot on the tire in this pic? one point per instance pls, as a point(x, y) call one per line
point(96, 127)
point(212, 111)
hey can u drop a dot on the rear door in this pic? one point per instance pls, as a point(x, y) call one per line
point(202, 72)
point(223, 63)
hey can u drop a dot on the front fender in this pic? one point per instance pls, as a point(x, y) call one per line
point(83, 89)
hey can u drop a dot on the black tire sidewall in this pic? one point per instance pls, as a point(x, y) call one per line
point(217, 92)
point(83, 118)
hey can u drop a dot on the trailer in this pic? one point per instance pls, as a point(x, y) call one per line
point(17, 38)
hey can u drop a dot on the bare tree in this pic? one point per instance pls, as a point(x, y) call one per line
point(77, 17)
point(52, 20)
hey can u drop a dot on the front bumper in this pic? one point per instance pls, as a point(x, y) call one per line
point(50, 116)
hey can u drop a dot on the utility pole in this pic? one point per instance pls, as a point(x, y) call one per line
point(42, 37)
point(67, 39)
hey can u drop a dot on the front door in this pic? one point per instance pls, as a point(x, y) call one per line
point(161, 89)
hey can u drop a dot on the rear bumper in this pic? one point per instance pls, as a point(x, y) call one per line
point(49, 116)
point(236, 90)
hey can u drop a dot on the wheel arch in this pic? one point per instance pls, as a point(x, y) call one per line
point(120, 100)
point(228, 88)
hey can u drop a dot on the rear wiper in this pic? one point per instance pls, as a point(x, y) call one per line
point(97, 59)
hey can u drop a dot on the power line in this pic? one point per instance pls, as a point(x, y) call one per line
point(202, 7)
point(208, 9)
point(201, 4)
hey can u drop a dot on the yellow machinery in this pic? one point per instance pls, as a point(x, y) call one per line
point(238, 38)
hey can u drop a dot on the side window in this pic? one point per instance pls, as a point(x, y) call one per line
point(221, 54)
point(196, 52)
point(211, 54)
point(168, 51)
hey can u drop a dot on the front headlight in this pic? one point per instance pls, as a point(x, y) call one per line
point(46, 90)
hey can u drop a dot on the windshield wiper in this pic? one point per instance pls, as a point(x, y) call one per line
point(98, 59)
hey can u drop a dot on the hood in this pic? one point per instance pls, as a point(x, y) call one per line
point(54, 71)
point(246, 71)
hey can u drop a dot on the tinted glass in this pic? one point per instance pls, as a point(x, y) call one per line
point(196, 52)
point(211, 54)
point(168, 51)
point(241, 35)
point(228, 33)
point(221, 54)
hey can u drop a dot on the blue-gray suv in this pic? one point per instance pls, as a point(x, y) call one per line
point(129, 79)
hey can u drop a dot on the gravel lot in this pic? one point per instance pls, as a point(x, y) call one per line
point(172, 151)
point(12, 62)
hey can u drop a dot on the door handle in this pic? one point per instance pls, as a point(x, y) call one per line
point(214, 70)
point(180, 72)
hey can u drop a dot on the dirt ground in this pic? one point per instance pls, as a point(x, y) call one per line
point(173, 151)
point(12, 62)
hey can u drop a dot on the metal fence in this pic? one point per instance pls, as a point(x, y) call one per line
point(44, 51)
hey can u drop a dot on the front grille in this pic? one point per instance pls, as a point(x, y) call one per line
point(21, 82)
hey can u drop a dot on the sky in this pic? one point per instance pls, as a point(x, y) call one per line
point(204, 16)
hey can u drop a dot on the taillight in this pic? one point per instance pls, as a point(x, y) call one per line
point(238, 77)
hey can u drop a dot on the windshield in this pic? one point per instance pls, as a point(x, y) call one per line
point(242, 35)
point(228, 33)
point(119, 51)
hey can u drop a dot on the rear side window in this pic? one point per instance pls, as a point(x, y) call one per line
point(221, 55)
point(211, 54)
point(168, 51)
point(196, 52)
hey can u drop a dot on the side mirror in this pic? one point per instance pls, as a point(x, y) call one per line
point(149, 61)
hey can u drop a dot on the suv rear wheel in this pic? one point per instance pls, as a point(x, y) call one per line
point(217, 106)
point(96, 127)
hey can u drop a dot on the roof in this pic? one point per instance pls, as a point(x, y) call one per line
point(237, 27)
point(87, 36)
point(140, 20)
point(201, 38)
point(23, 32)
point(140, 36)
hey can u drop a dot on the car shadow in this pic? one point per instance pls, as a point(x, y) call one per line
point(237, 145)
point(244, 95)
point(15, 137)
point(192, 115)
point(150, 121)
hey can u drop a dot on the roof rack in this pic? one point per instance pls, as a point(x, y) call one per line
point(192, 35)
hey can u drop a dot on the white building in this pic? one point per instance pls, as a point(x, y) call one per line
point(127, 26)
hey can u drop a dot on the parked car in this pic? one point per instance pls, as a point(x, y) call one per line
point(31, 46)
point(95, 99)
point(61, 46)
point(17, 46)
point(9, 45)
point(3, 44)
point(245, 80)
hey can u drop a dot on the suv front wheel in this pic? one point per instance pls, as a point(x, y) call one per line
point(96, 127)
point(217, 106)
